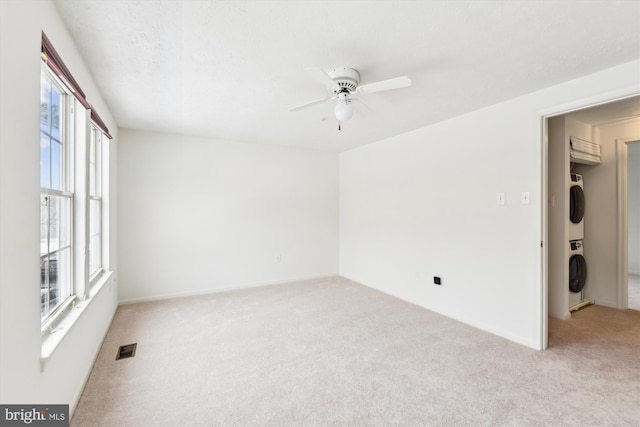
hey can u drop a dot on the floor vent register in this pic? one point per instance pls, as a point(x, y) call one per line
point(126, 351)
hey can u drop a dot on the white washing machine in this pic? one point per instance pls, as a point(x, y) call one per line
point(576, 207)
point(577, 273)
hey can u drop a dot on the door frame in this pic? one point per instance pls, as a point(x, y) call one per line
point(541, 118)
point(622, 159)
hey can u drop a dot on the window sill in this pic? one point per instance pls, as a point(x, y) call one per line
point(53, 337)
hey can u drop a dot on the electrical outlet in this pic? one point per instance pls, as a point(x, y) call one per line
point(437, 280)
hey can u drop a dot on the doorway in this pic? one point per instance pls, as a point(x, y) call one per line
point(600, 115)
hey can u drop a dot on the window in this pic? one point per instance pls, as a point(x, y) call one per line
point(95, 202)
point(56, 198)
point(72, 191)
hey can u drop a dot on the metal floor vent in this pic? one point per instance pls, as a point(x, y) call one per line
point(125, 351)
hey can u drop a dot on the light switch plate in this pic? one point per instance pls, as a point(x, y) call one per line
point(500, 199)
point(524, 198)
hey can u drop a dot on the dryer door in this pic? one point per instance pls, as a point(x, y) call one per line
point(577, 273)
point(576, 204)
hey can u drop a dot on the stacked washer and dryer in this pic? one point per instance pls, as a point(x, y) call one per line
point(577, 262)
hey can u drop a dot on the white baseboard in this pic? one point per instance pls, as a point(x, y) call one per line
point(460, 318)
point(223, 289)
point(606, 304)
point(74, 403)
point(562, 316)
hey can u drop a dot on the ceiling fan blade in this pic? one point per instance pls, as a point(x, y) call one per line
point(362, 107)
point(396, 83)
point(309, 104)
point(322, 77)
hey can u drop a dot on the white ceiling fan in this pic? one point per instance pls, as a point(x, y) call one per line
point(342, 82)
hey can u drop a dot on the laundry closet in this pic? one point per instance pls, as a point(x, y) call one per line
point(583, 209)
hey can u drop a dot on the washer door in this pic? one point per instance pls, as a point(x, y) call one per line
point(576, 204)
point(577, 273)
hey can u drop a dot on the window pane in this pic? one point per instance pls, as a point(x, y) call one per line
point(92, 165)
point(49, 289)
point(59, 222)
point(56, 165)
point(55, 250)
point(44, 224)
point(98, 165)
point(56, 117)
point(55, 280)
point(94, 254)
point(45, 104)
point(45, 161)
point(44, 286)
point(95, 239)
point(50, 107)
point(64, 211)
point(63, 275)
point(94, 218)
point(54, 224)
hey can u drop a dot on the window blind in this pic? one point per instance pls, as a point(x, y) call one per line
point(95, 118)
point(53, 60)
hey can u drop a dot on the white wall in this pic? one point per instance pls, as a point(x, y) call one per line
point(201, 215)
point(634, 207)
point(22, 381)
point(424, 203)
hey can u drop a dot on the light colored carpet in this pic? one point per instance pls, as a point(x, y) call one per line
point(334, 353)
point(634, 291)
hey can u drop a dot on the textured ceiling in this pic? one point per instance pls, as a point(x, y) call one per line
point(232, 69)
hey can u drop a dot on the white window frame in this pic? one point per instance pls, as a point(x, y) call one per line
point(95, 168)
point(79, 130)
point(65, 192)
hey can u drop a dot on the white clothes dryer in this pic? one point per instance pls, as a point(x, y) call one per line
point(576, 207)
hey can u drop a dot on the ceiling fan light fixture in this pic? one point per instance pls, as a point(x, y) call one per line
point(343, 110)
point(343, 82)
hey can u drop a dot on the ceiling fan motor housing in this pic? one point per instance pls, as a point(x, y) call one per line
point(343, 81)
point(346, 78)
